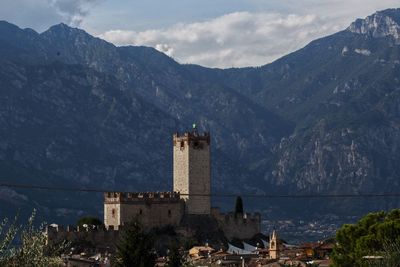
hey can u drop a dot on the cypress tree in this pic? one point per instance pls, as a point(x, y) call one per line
point(175, 257)
point(135, 247)
point(239, 206)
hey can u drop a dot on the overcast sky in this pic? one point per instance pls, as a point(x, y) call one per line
point(213, 33)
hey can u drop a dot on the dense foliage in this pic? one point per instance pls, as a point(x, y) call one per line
point(135, 248)
point(32, 249)
point(175, 256)
point(376, 234)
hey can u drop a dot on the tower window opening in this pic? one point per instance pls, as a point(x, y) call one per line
point(182, 144)
point(169, 213)
point(113, 213)
point(197, 145)
point(140, 211)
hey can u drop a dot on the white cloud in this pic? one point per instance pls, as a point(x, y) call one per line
point(72, 11)
point(233, 40)
point(41, 14)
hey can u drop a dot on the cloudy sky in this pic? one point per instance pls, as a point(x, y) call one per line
point(213, 33)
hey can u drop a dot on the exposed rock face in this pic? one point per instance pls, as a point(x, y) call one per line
point(77, 111)
point(381, 24)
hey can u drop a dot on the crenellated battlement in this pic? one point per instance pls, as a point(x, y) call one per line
point(238, 218)
point(100, 237)
point(242, 225)
point(189, 137)
point(132, 197)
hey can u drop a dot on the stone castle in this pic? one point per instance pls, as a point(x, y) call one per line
point(190, 199)
point(191, 194)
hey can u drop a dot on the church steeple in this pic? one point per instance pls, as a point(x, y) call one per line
point(274, 246)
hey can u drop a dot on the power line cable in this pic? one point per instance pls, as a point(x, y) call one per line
point(311, 195)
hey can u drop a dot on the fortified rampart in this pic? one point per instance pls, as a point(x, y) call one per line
point(187, 209)
point(240, 226)
point(98, 237)
point(151, 209)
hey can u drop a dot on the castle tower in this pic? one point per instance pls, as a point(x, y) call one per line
point(192, 170)
point(274, 246)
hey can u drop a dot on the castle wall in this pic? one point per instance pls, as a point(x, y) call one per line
point(199, 182)
point(243, 226)
point(181, 167)
point(101, 238)
point(150, 209)
point(192, 171)
point(112, 213)
point(153, 214)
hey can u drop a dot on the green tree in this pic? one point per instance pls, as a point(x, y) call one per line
point(8, 232)
point(376, 234)
point(239, 206)
point(175, 257)
point(135, 247)
point(33, 250)
point(89, 220)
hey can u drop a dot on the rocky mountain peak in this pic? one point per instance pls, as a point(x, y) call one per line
point(62, 27)
point(384, 23)
point(63, 31)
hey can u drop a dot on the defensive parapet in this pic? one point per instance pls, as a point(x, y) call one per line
point(132, 197)
point(242, 225)
point(188, 137)
point(101, 238)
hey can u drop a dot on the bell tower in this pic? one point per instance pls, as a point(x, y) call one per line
point(192, 170)
point(274, 246)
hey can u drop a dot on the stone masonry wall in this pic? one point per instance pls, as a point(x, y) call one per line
point(181, 167)
point(192, 171)
point(153, 214)
point(199, 179)
point(112, 213)
point(243, 226)
point(152, 209)
point(101, 238)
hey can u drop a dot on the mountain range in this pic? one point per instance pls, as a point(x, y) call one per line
point(79, 112)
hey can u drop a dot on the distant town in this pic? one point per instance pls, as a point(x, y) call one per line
point(291, 163)
point(218, 239)
point(181, 228)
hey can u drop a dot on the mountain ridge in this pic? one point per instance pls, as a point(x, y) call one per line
point(77, 110)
